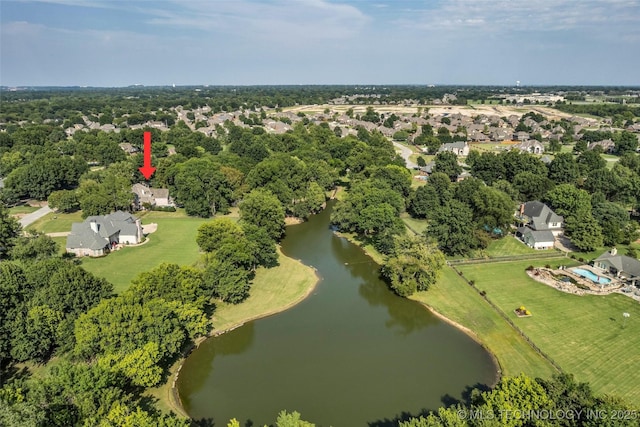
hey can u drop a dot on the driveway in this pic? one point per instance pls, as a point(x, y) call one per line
point(29, 219)
point(405, 152)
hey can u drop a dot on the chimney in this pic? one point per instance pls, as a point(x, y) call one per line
point(522, 209)
point(94, 225)
point(614, 251)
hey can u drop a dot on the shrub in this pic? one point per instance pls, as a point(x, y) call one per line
point(531, 267)
point(527, 312)
point(483, 293)
point(581, 259)
point(522, 308)
point(472, 282)
point(547, 266)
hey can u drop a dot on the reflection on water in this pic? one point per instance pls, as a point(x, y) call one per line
point(351, 353)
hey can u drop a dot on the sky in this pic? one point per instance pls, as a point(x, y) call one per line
point(252, 42)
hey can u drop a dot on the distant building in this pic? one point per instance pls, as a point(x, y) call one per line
point(459, 148)
point(150, 196)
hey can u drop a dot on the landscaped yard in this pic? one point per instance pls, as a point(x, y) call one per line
point(456, 300)
point(174, 241)
point(583, 334)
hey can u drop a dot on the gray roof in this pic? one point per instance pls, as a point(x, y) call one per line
point(541, 215)
point(451, 145)
point(540, 236)
point(83, 236)
point(623, 263)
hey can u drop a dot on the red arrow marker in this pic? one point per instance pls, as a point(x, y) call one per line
point(147, 170)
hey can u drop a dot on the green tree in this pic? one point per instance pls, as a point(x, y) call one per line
point(413, 266)
point(263, 209)
point(213, 234)
point(140, 366)
point(447, 163)
point(202, 188)
point(564, 169)
point(291, 419)
point(626, 142)
point(452, 226)
point(34, 247)
point(229, 282)
point(64, 201)
point(9, 230)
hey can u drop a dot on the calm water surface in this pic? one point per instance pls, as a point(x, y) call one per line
point(352, 354)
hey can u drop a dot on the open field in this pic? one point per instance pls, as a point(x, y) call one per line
point(273, 290)
point(583, 334)
point(174, 241)
point(455, 299)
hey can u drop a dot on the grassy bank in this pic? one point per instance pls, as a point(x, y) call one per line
point(585, 335)
point(453, 298)
point(273, 290)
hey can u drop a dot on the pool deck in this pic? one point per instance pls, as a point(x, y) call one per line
point(546, 276)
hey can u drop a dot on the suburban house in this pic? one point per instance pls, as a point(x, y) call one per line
point(537, 239)
point(150, 196)
point(97, 235)
point(530, 146)
point(623, 267)
point(542, 225)
point(459, 148)
point(540, 217)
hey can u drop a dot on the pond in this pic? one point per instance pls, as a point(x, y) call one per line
point(351, 354)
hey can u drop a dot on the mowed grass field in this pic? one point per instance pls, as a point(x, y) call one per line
point(174, 242)
point(456, 300)
point(583, 334)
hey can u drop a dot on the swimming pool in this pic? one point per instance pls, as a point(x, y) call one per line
point(592, 276)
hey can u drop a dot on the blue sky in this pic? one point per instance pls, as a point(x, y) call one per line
point(229, 42)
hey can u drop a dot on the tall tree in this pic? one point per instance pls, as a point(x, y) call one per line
point(414, 265)
point(9, 230)
point(263, 209)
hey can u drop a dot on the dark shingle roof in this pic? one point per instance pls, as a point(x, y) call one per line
point(540, 214)
point(623, 263)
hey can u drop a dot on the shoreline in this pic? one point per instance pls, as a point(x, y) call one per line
point(171, 394)
point(471, 334)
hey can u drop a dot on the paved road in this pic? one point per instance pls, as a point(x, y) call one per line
point(405, 152)
point(34, 216)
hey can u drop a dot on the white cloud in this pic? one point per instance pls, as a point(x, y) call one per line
point(284, 21)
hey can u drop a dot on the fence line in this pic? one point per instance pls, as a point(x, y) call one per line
point(522, 257)
point(510, 322)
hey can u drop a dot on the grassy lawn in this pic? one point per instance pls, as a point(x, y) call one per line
point(414, 224)
point(583, 334)
point(273, 290)
point(24, 209)
point(174, 241)
point(507, 246)
point(56, 222)
point(456, 300)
